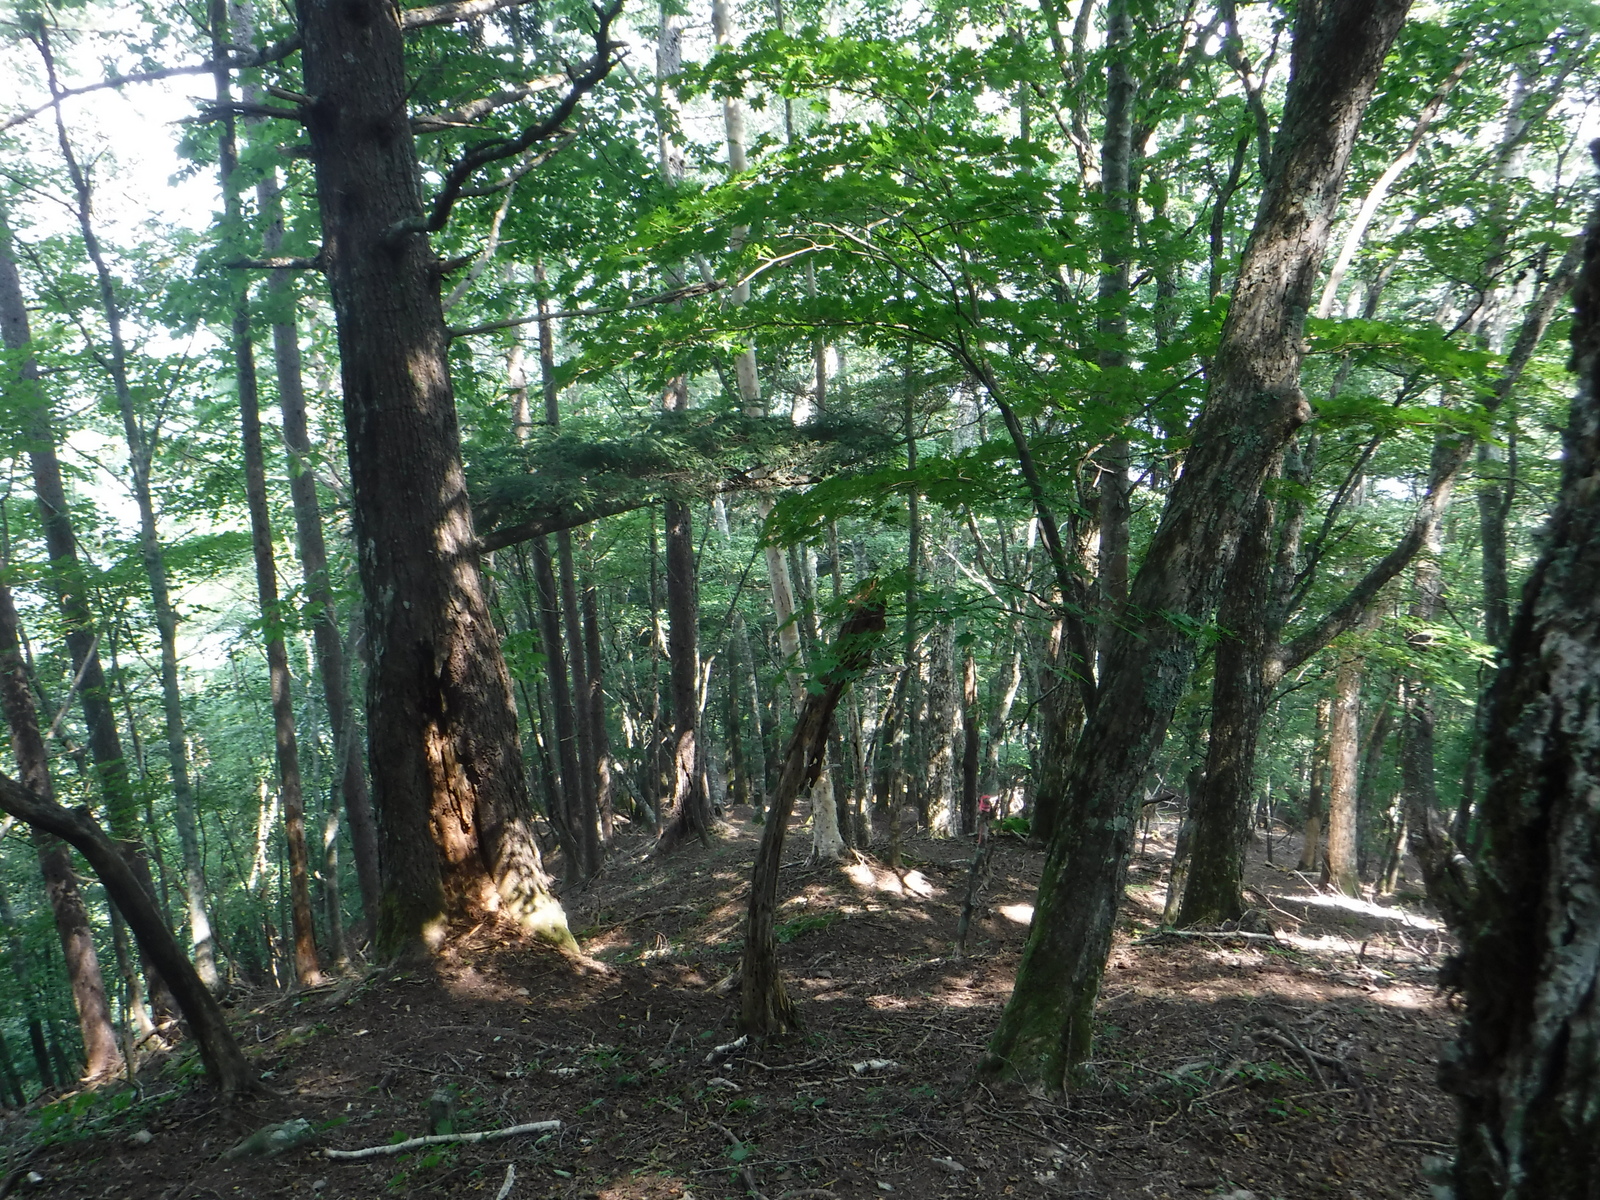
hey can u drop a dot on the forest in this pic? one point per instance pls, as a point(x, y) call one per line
point(800, 601)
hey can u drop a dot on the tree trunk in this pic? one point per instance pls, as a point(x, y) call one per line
point(307, 969)
point(765, 1009)
point(102, 1058)
point(968, 809)
point(1427, 835)
point(599, 736)
point(690, 806)
point(72, 596)
point(567, 814)
point(224, 1063)
point(1316, 792)
point(1217, 817)
point(1253, 407)
point(1339, 868)
point(447, 781)
point(1526, 1067)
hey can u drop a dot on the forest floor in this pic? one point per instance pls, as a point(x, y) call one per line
point(1301, 1066)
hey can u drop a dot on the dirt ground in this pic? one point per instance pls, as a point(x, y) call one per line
point(1286, 1067)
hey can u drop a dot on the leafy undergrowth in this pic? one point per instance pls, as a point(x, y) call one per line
point(1288, 1068)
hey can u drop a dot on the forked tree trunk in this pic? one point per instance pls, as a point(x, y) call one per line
point(1253, 408)
point(447, 782)
point(1526, 1067)
point(765, 1009)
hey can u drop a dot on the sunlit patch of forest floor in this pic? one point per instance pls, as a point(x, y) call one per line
point(1296, 1067)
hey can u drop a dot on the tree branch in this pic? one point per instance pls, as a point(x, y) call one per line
point(480, 156)
point(270, 54)
point(464, 115)
point(449, 14)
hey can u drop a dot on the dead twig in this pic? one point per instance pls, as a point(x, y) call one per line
point(440, 1139)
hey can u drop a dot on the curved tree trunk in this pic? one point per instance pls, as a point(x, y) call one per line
point(72, 597)
point(1253, 407)
point(765, 1009)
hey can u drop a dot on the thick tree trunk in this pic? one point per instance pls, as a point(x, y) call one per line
point(765, 1009)
point(1253, 408)
point(1526, 1068)
point(448, 787)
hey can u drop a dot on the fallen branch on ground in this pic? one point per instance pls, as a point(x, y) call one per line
point(1204, 933)
point(440, 1139)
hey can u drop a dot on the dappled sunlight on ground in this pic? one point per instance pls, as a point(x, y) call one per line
point(872, 877)
point(1022, 914)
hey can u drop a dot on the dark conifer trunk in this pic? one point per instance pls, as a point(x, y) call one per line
point(448, 786)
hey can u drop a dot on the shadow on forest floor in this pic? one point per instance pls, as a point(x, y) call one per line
point(1298, 1067)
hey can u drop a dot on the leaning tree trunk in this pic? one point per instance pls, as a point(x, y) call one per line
point(72, 597)
point(765, 1009)
point(1253, 407)
point(447, 782)
point(1526, 1067)
point(223, 1061)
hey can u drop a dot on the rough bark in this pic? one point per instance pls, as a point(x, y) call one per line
point(1253, 407)
point(1526, 1067)
point(448, 787)
point(765, 1009)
